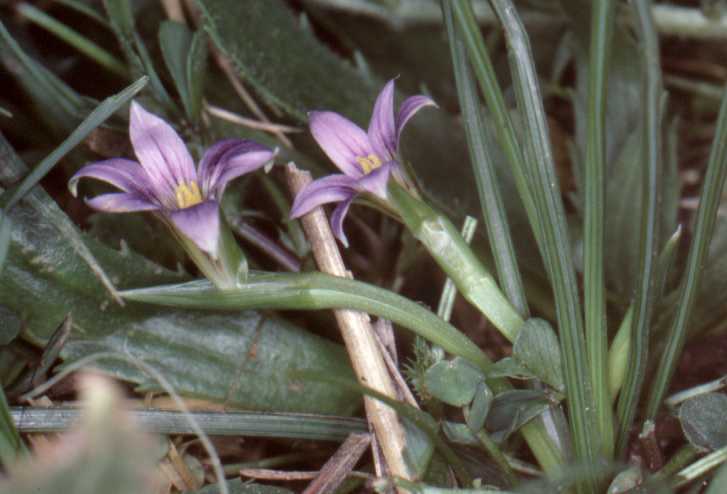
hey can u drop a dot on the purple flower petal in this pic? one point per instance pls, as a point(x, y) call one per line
point(161, 152)
point(337, 217)
point(200, 224)
point(125, 174)
point(121, 202)
point(332, 188)
point(376, 182)
point(228, 160)
point(408, 108)
point(382, 128)
point(342, 140)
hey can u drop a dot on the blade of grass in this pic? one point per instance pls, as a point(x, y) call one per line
point(555, 243)
point(11, 445)
point(484, 71)
point(706, 217)
point(493, 210)
point(251, 424)
point(108, 107)
point(73, 38)
point(595, 191)
point(449, 292)
point(315, 291)
point(651, 156)
point(86, 10)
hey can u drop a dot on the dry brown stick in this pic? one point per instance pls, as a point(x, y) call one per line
point(358, 336)
point(340, 465)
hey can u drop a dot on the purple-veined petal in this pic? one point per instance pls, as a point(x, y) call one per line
point(382, 128)
point(342, 140)
point(211, 159)
point(408, 109)
point(161, 152)
point(376, 182)
point(200, 224)
point(121, 202)
point(333, 188)
point(244, 157)
point(337, 217)
point(124, 174)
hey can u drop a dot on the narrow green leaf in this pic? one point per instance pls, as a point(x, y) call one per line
point(706, 217)
point(315, 291)
point(229, 423)
point(11, 445)
point(108, 107)
point(537, 349)
point(492, 207)
point(703, 421)
point(175, 41)
point(73, 38)
point(237, 486)
point(555, 243)
point(57, 102)
point(595, 207)
point(453, 381)
point(651, 157)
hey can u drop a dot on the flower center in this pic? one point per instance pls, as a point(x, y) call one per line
point(369, 163)
point(188, 195)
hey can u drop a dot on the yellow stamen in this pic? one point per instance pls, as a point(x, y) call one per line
point(188, 195)
point(369, 163)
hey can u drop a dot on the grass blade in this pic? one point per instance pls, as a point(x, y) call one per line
point(706, 217)
point(251, 424)
point(73, 38)
point(594, 237)
point(555, 244)
point(315, 291)
point(493, 210)
point(10, 442)
point(103, 111)
point(651, 156)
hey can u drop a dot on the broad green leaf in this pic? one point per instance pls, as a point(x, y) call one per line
point(537, 348)
point(513, 409)
point(241, 359)
point(480, 407)
point(703, 420)
point(283, 62)
point(509, 367)
point(453, 381)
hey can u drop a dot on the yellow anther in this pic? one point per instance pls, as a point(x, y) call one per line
point(188, 195)
point(369, 163)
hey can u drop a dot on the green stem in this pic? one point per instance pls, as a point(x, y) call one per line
point(595, 185)
point(700, 467)
point(456, 258)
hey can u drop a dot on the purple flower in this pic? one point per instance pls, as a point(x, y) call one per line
point(365, 158)
point(166, 181)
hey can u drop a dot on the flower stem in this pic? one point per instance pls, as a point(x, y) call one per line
point(455, 257)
